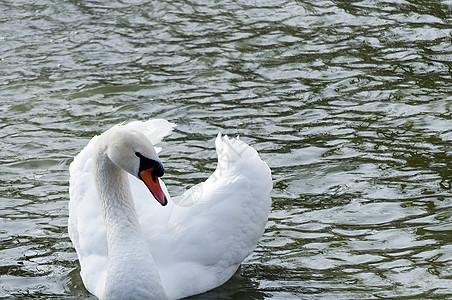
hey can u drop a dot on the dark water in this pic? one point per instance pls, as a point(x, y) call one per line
point(349, 102)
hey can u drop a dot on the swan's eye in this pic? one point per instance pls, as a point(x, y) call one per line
point(147, 163)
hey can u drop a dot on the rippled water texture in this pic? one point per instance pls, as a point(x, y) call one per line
point(349, 102)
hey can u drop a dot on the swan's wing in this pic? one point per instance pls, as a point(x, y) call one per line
point(85, 226)
point(215, 225)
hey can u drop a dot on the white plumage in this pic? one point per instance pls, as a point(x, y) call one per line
point(192, 245)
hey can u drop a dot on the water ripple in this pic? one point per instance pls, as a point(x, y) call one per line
point(349, 102)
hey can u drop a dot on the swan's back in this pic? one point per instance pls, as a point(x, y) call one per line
point(200, 238)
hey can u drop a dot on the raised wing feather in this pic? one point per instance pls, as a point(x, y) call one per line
point(216, 224)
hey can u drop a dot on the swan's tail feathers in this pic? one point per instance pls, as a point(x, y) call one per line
point(155, 129)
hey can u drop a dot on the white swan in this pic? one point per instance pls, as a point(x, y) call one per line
point(133, 247)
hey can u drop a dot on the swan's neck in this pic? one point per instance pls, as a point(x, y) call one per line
point(131, 273)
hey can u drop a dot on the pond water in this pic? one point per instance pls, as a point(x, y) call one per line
point(349, 102)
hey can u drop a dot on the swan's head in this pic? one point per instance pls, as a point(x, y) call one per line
point(132, 151)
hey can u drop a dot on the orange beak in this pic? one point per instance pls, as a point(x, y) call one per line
point(152, 182)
